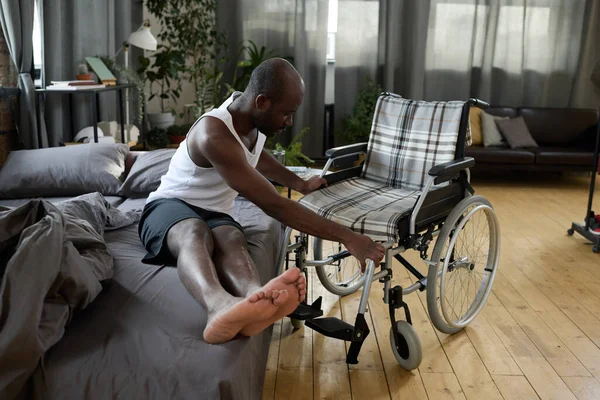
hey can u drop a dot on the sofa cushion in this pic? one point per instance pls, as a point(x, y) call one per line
point(557, 126)
point(500, 155)
point(586, 139)
point(563, 156)
point(146, 171)
point(491, 134)
point(516, 133)
point(476, 131)
point(509, 112)
point(64, 171)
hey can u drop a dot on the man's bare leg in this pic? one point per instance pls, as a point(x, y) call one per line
point(239, 275)
point(191, 242)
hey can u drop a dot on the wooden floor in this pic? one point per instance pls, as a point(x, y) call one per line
point(537, 337)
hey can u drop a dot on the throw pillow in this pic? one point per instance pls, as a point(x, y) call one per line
point(491, 135)
point(516, 133)
point(475, 118)
point(146, 171)
point(64, 171)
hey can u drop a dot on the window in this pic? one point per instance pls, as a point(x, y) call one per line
point(37, 44)
point(332, 19)
point(450, 36)
point(512, 38)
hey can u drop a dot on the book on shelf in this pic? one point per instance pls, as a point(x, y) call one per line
point(76, 87)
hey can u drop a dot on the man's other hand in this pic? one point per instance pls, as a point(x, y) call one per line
point(363, 248)
point(312, 184)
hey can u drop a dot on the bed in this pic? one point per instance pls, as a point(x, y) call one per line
point(141, 337)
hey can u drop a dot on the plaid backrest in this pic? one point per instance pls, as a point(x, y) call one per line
point(409, 137)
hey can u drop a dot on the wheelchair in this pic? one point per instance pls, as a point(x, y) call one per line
point(413, 186)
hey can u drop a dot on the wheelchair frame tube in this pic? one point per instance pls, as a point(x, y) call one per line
point(424, 192)
point(326, 167)
point(367, 288)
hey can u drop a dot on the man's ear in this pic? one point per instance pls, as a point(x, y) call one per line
point(262, 102)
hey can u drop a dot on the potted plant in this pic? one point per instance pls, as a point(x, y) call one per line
point(131, 76)
point(165, 82)
point(293, 152)
point(357, 126)
point(157, 138)
point(177, 133)
point(190, 28)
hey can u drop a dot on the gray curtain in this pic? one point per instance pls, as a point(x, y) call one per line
point(296, 28)
point(16, 17)
point(356, 52)
point(584, 94)
point(507, 52)
point(73, 30)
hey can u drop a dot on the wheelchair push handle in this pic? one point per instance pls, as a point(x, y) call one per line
point(478, 103)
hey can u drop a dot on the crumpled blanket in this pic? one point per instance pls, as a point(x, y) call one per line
point(53, 259)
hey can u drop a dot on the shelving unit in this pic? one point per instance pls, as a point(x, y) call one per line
point(583, 230)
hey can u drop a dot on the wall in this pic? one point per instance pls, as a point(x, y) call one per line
point(187, 95)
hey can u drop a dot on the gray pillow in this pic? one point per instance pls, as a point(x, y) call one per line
point(64, 171)
point(146, 171)
point(516, 133)
point(491, 135)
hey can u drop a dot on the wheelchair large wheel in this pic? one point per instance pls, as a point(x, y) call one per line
point(464, 264)
point(344, 276)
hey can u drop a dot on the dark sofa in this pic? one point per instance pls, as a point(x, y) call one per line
point(566, 139)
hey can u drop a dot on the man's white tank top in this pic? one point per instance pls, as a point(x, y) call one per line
point(204, 187)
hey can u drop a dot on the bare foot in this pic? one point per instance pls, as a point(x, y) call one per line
point(297, 293)
point(239, 312)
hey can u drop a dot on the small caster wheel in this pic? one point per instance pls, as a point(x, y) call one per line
point(596, 249)
point(406, 346)
point(296, 323)
point(570, 232)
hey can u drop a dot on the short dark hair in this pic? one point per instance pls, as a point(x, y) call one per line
point(269, 78)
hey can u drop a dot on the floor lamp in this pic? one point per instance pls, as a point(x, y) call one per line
point(584, 229)
point(143, 39)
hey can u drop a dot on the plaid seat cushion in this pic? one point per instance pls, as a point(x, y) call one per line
point(409, 137)
point(371, 208)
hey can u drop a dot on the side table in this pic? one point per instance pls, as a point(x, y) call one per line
point(95, 93)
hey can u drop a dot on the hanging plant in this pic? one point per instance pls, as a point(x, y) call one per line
point(190, 28)
point(130, 76)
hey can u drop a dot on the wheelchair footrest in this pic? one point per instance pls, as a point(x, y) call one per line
point(307, 312)
point(332, 327)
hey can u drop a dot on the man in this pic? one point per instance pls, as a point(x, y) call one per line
point(188, 218)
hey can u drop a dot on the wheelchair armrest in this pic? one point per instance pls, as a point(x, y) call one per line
point(344, 174)
point(446, 170)
point(345, 150)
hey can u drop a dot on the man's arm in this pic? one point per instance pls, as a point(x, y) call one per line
point(272, 169)
point(225, 154)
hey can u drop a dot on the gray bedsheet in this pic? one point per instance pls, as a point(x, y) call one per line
point(141, 338)
point(114, 201)
point(53, 259)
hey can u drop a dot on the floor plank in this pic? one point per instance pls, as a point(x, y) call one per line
point(515, 387)
point(584, 388)
point(442, 386)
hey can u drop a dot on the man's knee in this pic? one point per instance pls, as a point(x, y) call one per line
point(190, 233)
